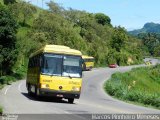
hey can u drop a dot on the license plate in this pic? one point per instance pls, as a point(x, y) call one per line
point(59, 95)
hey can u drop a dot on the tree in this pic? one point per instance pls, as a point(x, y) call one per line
point(57, 30)
point(151, 40)
point(119, 39)
point(6, 2)
point(157, 51)
point(8, 29)
point(102, 19)
point(23, 11)
point(55, 8)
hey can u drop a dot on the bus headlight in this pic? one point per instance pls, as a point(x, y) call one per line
point(44, 86)
point(75, 88)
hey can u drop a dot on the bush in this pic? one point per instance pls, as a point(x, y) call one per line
point(134, 96)
point(6, 79)
point(1, 86)
point(18, 75)
point(116, 89)
point(155, 73)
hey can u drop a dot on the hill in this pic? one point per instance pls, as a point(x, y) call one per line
point(93, 34)
point(147, 28)
point(150, 37)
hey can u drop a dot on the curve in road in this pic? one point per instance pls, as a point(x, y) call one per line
point(93, 100)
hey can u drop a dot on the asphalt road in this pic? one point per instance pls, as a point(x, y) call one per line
point(93, 100)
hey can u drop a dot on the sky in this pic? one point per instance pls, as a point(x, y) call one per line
point(131, 14)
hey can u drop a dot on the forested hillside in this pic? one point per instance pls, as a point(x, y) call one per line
point(26, 28)
point(151, 42)
point(147, 28)
point(150, 36)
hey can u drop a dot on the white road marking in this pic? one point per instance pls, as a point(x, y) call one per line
point(19, 87)
point(6, 90)
point(67, 112)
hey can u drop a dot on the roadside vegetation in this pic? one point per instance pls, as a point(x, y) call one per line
point(1, 110)
point(151, 42)
point(140, 85)
point(26, 28)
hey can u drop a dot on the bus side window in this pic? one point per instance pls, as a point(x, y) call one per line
point(29, 63)
point(36, 61)
point(32, 63)
point(41, 61)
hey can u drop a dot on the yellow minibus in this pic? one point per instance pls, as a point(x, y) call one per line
point(88, 62)
point(55, 71)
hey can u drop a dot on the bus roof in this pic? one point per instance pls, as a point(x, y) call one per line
point(57, 46)
point(58, 49)
point(87, 57)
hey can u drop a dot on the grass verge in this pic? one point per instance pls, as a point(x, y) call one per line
point(140, 85)
point(1, 110)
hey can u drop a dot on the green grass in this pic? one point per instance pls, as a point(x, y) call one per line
point(1, 110)
point(141, 85)
point(1, 86)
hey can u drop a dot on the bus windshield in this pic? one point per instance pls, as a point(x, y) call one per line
point(71, 66)
point(88, 60)
point(62, 65)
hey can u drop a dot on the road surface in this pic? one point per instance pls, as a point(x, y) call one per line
point(93, 100)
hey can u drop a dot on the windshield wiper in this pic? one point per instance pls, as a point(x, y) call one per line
point(68, 75)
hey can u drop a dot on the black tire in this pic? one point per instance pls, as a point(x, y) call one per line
point(90, 68)
point(37, 92)
point(29, 90)
point(70, 100)
point(58, 98)
point(84, 67)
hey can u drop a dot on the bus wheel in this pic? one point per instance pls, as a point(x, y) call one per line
point(37, 93)
point(29, 90)
point(70, 100)
point(84, 66)
point(90, 68)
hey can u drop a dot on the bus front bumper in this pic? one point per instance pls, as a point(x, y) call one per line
point(60, 94)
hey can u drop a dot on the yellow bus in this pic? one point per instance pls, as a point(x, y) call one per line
point(55, 71)
point(88, 62)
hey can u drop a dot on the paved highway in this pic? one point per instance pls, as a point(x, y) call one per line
point(93, 100)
